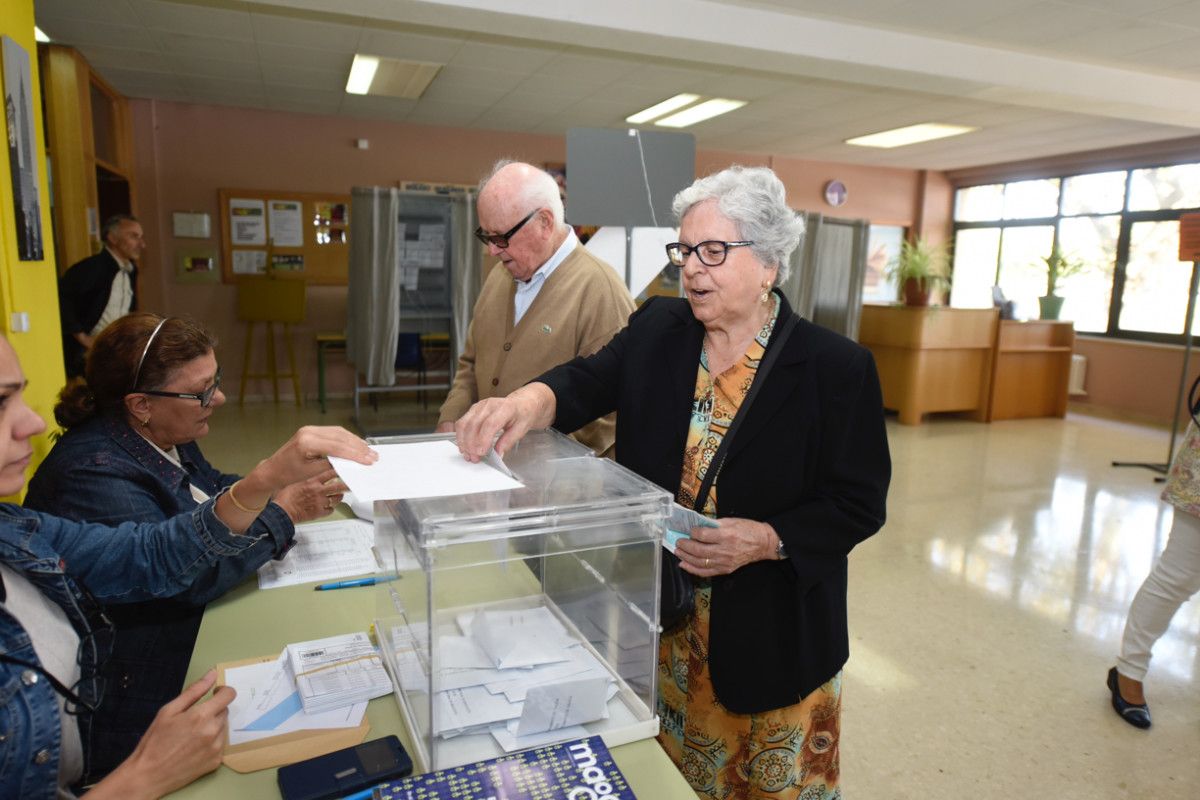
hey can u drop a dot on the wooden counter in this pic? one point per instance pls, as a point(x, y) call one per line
point(1031, 369)
point(932, 359)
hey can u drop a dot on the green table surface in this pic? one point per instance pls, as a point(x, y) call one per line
point(248, 622)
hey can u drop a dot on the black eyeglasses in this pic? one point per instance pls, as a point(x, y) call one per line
point(204, 397)
point(500, 240)
point(711, 253)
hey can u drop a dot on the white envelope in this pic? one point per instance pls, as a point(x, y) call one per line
point(559, 705)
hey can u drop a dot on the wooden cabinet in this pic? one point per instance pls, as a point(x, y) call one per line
point(932, 359)
point(90, 149)
point(1031, 370)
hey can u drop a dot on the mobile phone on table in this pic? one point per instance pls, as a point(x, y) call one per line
point(343, 772)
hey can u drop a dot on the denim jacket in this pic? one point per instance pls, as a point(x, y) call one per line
point(104, 471)
point(128, 563)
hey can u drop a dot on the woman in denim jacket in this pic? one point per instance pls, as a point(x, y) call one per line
point(130, 454)
point(53, 637)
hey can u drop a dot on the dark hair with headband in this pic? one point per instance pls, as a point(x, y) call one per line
point(137, 352)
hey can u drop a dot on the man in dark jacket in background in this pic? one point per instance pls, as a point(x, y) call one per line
point(99, 289)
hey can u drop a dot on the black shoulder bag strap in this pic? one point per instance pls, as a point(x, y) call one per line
point(760, 377)
point(677, 591)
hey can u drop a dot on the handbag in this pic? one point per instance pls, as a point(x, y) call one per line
point(677, 593)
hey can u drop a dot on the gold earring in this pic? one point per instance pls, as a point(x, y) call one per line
point(766, 295)
point(146, 422)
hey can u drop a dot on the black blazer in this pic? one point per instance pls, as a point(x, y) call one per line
point(82, 295)
point(811, 459)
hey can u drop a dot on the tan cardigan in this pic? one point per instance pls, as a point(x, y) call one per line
point(580, 307)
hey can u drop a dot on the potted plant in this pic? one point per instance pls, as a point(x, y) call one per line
point(921, 269)
point(1058, 266)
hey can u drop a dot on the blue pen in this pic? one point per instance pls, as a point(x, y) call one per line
point(365, 794)
point(325, 587)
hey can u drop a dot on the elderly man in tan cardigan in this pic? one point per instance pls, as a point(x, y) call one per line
point(552, 301)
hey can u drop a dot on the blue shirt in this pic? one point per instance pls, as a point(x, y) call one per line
point(128, 563)
point(104, 471)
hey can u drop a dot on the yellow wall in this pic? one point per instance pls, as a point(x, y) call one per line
point(30, 286)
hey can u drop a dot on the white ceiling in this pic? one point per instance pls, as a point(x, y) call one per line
point(1039, 77)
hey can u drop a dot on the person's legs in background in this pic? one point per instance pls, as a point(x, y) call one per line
point(1173, 580)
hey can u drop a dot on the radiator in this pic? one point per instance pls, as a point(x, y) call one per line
point(1078, 375)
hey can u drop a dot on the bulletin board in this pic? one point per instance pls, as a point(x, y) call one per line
point(288, 234)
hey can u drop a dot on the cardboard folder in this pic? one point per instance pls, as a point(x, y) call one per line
point(286, 748)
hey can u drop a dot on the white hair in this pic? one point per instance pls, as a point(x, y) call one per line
point(537, 188)
point(754, 200)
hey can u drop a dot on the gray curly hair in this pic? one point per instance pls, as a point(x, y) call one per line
point(754, 199)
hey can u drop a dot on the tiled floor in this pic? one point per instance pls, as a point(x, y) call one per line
point(983, 617)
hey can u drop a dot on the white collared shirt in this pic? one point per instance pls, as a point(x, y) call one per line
point(528, 290)
point(172, 455)
point(120, 295)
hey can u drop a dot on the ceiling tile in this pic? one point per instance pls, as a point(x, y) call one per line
point(219, 23)
point(207, 47)
point(105, 59)
point(305, 33)
point(433, 112)
point(571, 68)
point(214, 68)
point(304, 77)
point(458, 75)
point(543, 104)
point(484, 55)
point(317, 59)
point(93, 10)
point(79, 31)
point(410, 46)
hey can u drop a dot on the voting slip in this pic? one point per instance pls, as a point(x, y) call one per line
point(337, 671)
point(568, 771)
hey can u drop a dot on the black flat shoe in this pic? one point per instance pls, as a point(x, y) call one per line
point(1135, 715)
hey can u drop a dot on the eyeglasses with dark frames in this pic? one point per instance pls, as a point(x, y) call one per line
point(500, 240)
point(711, 253)
point(204, 397)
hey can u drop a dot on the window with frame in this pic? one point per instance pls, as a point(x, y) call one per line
point(1122, 224)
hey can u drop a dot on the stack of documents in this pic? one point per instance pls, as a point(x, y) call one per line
point(338, 671)
point(518, 675)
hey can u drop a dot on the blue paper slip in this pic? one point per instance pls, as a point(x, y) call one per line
point(680, 524)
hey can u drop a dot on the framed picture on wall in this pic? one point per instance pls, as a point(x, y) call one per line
point(23, 151)
point(883, 248)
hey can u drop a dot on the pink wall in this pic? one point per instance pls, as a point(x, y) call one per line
point(1133, 379)
point(185, 153)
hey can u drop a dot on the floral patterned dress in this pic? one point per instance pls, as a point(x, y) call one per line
point(788, 753)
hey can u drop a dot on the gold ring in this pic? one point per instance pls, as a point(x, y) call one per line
point(329, 503)
point(707, 561)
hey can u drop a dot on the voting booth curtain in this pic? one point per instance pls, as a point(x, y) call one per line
point(828, 268)
point(395, 284)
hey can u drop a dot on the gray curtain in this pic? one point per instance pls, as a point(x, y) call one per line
point(465, 255)
point(373, 297)
point(828, 269)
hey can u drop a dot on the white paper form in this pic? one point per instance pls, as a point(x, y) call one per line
point(337, 670)
point(247, 222)
point(267, 704)
point(559, 705)
point(324, 550)
point(419, 469)
point(521, 638)
point(286, 222)
point(459, 710)
point(515, 684)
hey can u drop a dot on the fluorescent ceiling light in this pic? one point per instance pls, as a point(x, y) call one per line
point(911, 134)
point(362, 73)
point(665, 107)
point(700, 112)
point(39, 35)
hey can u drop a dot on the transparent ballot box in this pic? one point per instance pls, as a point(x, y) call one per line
point(525, 616)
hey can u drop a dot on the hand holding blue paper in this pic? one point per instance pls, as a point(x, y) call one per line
point(680, 524)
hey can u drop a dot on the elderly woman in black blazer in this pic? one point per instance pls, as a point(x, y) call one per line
point(750, 686)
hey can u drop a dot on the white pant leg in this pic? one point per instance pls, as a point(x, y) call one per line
point(1174, 579)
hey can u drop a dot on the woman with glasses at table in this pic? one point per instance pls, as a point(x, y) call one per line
point(749, 685)
point(54, 636)
point(130, 453)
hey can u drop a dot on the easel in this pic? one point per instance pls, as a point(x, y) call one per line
point(265, 298)
point(1189, 250)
